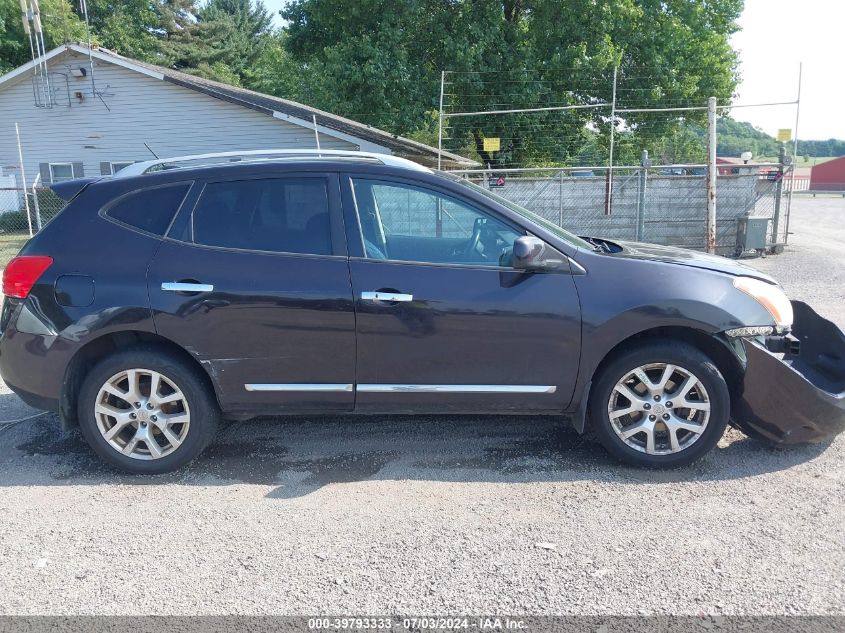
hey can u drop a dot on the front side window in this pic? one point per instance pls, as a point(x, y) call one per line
point(529, 215)
point(61, 171)
point(282, 215)
point(407, 223)
point(149, 210)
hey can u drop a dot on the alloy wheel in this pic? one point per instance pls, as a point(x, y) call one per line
point(659, 408)
point(142, 414)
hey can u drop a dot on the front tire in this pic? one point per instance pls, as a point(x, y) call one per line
point(660, 405)
point(146, 411)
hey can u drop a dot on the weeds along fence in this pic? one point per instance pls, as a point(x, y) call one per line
point(23, 212)
point(663, 205)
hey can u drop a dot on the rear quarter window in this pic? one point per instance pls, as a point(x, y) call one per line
point(150, 210)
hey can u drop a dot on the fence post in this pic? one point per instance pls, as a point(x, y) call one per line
point(608, 195)
point(560, 199)
point(440, 122)
point(778, 194)
point(711, 175)
point(645, 163)
point(23, 179)
point(35, 203)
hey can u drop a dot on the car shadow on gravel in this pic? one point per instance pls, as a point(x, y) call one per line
point(297, 456)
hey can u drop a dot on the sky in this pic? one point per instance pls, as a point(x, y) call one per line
point(776, 35)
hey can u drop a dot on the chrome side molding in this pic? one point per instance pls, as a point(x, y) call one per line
point(174, 286)
point(399, 388)
point(404, 388)
point(298, 387)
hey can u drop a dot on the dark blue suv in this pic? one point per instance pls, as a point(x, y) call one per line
point(185, 291)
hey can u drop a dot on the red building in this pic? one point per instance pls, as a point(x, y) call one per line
point(828, 176)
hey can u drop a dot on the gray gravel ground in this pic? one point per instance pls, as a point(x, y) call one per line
point(411, 516)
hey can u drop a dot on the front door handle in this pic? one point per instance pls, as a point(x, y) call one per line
point(181, 286)
point(386, 296)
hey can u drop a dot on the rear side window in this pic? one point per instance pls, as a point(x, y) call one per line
point(149, 210)
point(282, 215)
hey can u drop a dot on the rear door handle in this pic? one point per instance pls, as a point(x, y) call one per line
point(386, 296)
point(180, 286)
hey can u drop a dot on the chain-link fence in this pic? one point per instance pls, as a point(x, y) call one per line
point(23, 212)
point(664, 205)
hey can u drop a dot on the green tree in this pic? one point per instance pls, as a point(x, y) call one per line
point(221, 40)
point(60, 23)
point(381, 61)
point(247, 30)
point(128, 27)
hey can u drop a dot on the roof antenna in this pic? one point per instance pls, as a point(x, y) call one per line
point(83, 5)
point(39, 54)
point(151, 151)
point(316, 132)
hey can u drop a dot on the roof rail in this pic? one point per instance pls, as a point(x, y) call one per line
point(177, 162)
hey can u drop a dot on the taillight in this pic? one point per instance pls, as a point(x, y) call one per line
point(22, 272)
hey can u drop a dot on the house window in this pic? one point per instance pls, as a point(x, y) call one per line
point(61, 171)
point(117, 166)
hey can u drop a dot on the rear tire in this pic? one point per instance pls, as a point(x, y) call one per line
point(140, 431)
point(645, 423)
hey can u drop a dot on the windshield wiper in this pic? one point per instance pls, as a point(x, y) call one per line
point(598, 245)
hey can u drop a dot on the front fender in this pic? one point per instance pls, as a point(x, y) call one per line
point(623, 298)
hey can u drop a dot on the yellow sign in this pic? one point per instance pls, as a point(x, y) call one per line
point(785, 134)
point(492, 144)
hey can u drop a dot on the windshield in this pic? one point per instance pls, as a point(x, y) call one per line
point(551, 227)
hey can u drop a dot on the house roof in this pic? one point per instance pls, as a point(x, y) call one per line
point(276, 107)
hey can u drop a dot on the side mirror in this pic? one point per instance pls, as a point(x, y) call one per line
point(532, 253)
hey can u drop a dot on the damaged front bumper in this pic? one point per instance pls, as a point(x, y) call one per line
point(799, 397)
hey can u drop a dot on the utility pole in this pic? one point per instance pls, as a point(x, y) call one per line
point(711, 175)
point(794, 154)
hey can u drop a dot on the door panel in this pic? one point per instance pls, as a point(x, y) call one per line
point(488, 339)
point(269, 320)
point(468, 333)
point(275, 330)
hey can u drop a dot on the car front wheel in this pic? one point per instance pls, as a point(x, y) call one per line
point(662, 404)
point(146, 411)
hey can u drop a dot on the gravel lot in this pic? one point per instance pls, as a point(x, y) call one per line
point(424, 516)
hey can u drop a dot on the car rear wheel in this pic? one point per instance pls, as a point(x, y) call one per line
point(146, 411)
point(662, 404)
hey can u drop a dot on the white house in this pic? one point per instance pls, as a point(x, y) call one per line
point(94, 111)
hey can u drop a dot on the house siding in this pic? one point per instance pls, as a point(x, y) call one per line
point(171, 119)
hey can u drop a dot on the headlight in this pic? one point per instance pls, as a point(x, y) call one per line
point(769, 296)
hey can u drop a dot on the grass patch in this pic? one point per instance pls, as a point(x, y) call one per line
point(10, 244)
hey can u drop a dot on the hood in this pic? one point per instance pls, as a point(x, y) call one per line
point(682, 257)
